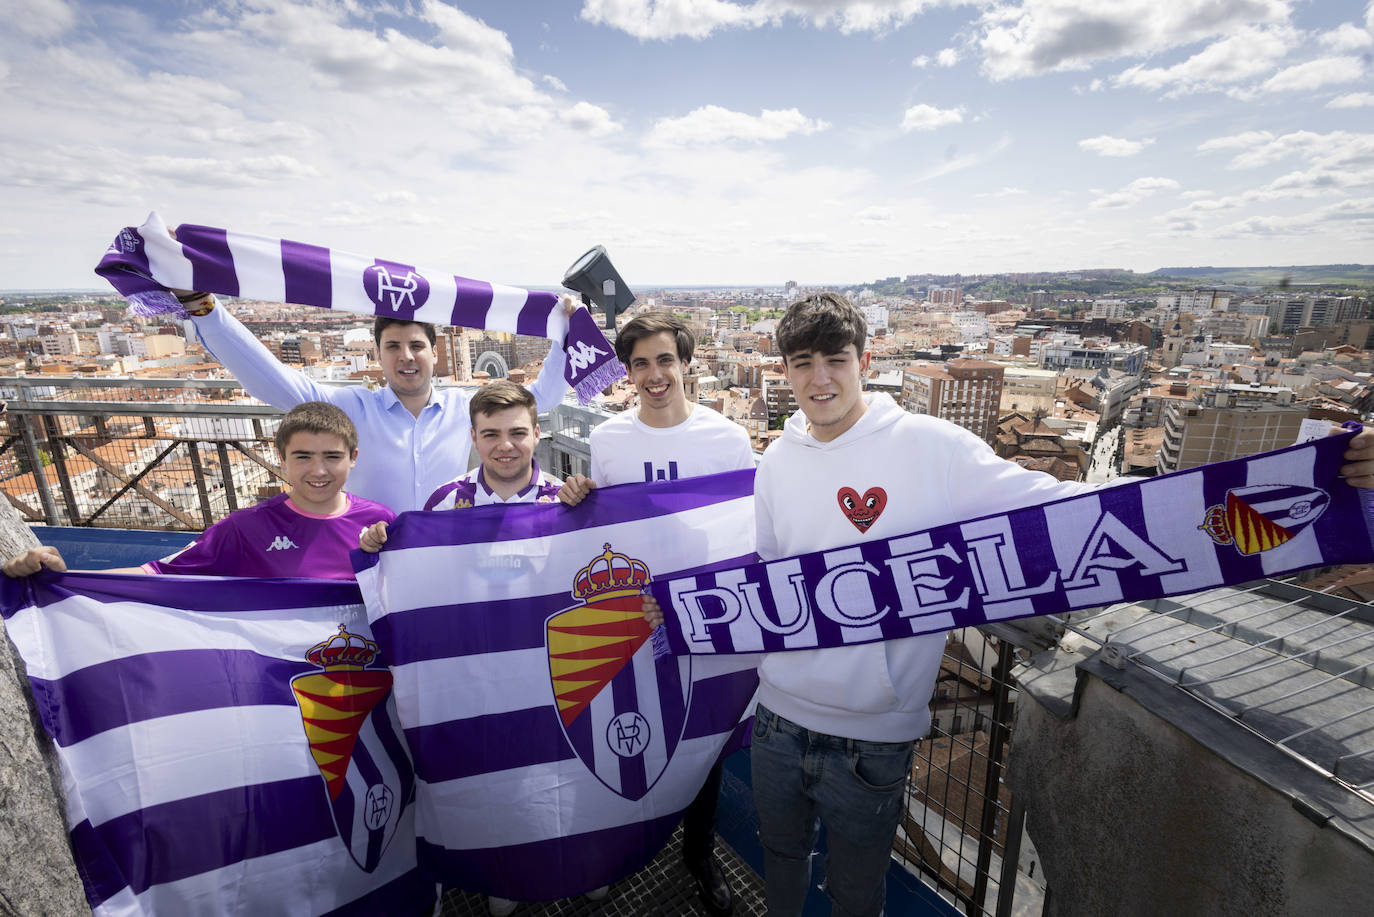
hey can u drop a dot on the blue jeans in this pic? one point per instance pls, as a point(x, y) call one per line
point(854, 787)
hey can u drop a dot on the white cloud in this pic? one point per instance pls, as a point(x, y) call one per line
point(1235, 141)
point(1114, 146)
point(590, 119)
point(1245, 55)
point(665, 19)
point(928, 117)
point(555, 82)
point(1025, 37)
point(1335, 150)
point(251, 134)
point(1342, 217)
point(920, 62)
point(1003, 192)
point(1134, 193)
point(668, 19)
point(394, 197)
point(41, 19)
point(1315, 74)
point(713, 124)
point(1348, 37)
point(874, 214)
point(948, 57)
point(1353, 100)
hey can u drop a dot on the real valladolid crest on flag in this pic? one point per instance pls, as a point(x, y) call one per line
point(554, 752)
point(1226, 523)
point(144, 262)
point(228, 746)
point(592, 648)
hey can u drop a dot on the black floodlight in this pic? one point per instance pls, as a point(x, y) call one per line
point(599, 282)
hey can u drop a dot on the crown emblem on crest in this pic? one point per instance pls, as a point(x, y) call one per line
point(1214, 524)
point(343, 650)
point(610, 574)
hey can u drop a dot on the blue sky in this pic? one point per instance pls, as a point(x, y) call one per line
point(701, 141)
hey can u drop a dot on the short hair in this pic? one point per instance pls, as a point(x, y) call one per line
point(383, 322)
point(648, 324)
point(500, 395)
point(316, 417)
point(823, 322)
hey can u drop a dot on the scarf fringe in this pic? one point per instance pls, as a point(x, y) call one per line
point(150, 303)
point(598, 380)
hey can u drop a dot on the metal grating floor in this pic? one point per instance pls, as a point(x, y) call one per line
point(661, 889)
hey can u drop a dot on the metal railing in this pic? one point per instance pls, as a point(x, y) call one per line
point(134, 453)
point(962, 829)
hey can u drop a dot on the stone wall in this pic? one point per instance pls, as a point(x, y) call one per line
point(1133, 813)
point(37, 874)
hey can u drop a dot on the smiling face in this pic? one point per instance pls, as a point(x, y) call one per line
point(656, 373)
point(505, 442)
point(316, 467)
point(407, 359)
point(829, 388)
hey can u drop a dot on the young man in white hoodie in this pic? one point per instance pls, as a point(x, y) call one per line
point(834, 733)
point(833, 737)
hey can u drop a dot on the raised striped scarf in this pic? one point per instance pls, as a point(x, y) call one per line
point(1221, 524)
point(145, 262)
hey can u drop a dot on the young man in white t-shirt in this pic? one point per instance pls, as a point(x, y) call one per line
point(664, 438)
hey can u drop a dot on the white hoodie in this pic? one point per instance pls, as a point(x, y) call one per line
point(916, 472)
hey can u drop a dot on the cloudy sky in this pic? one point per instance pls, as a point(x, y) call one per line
point(702, 141)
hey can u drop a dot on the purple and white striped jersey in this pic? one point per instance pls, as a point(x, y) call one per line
point(277, 538)
point(471, 490)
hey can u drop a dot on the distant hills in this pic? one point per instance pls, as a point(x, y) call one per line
point(1335, 275)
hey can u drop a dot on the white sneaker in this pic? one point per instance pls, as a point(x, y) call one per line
point(597, 894)
point(501, 907)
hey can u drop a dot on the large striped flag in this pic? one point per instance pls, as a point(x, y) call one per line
point(554, 751)
point(226, 746)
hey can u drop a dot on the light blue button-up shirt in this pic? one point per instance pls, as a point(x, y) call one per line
point(402, 459)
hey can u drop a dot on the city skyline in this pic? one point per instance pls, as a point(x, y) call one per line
point(705, 143)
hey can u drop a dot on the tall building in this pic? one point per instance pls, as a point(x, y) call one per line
point(1228, 423)
point(964, 392)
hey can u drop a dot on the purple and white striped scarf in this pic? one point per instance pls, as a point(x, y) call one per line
point(1221, 524)
point(145, 262)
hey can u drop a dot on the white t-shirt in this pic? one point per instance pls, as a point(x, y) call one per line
point(627, 450)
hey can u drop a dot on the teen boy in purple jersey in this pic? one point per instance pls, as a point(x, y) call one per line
point(306, 532)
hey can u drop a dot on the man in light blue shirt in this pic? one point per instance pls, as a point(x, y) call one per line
point(416, 436)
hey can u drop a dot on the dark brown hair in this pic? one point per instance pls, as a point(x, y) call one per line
point(384, 322)
point(499, 395)
point(649, 324)
point(822, 322)
point(316, 417)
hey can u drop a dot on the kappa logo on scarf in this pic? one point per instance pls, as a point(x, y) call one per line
point(603, 669)
point(396, 290)
point(1264, 516)
point(862, 511)
point(354, 741)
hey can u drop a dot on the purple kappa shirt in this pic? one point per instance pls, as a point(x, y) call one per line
point(471, 490)
point(276, 538)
